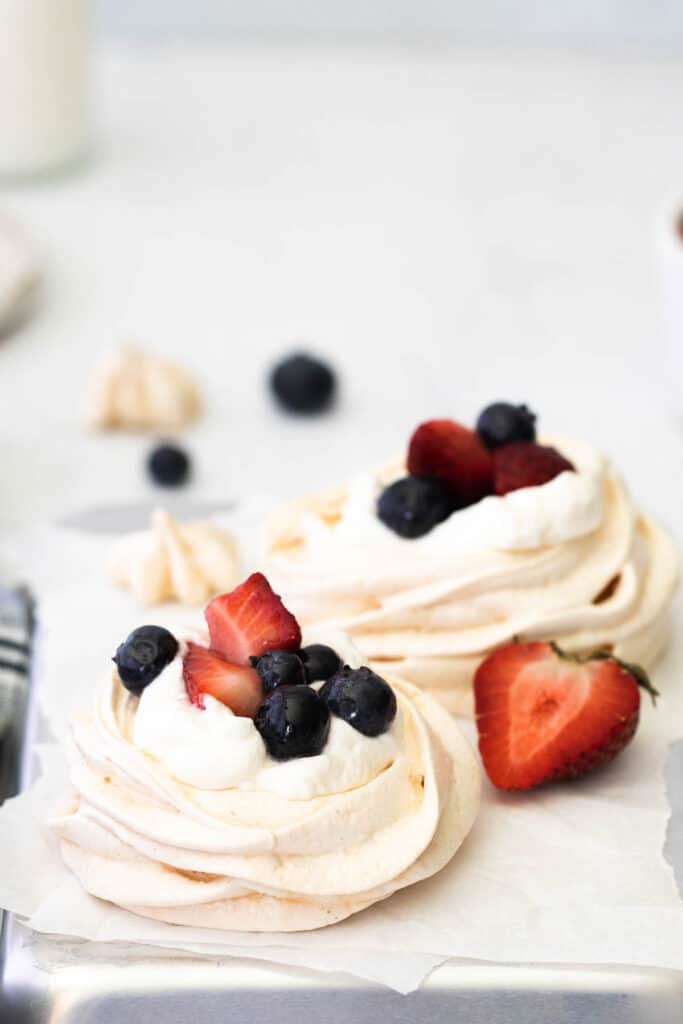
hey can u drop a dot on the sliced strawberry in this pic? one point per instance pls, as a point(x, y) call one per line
point(525, 464)
point(236, 686)
point(448, 451)
point(544, 715)
point(249, 621)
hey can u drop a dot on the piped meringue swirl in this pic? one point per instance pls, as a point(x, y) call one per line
point(179, 813)
point(572, 560)
point(188, 562)
point(136, 390)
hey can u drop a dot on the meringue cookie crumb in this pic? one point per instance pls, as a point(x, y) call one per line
point(136, 390)
point(188, 563)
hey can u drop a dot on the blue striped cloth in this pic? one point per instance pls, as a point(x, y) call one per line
point(16, 628)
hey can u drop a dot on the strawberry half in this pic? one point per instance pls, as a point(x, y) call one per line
point(249, 621)
point(525, 464)
point(448, 451)
point(236, 686)
point(544, 715)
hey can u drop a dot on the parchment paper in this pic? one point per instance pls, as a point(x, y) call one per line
point(568, 874)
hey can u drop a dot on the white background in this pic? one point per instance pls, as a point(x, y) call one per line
point(450, 227)
point(654, 22)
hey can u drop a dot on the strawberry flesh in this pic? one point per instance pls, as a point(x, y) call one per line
point(236, 686)
point(543, 716)
point(525, 464)
point(249, 621)
point(448, 451)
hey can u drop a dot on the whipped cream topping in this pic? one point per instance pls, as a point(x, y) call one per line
point(179, 813)
point(214, 749)
point(571, 560)
point(569, 506)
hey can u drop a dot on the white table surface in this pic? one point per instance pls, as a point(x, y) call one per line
point(451, 227)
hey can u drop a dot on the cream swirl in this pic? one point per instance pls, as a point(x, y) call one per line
point(572, 560)
point(180, 814)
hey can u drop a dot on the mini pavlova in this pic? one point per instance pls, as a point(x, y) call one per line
point(236, 779)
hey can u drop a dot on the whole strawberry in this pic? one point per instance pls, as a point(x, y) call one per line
point(525, 464)
point(447, 451)
point(543, 715)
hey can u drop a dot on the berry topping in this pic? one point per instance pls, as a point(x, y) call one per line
point(302, 384)
point(544, 715)
point(320, 662)
point(147, 651)
point(414, 505)
point(280, 668)
point(293, 722)
point(249, 621)
point(448, 451)
point(524, 464)
point(503, 423)
point(236, 686)
point(361, 698)
point(168, 465)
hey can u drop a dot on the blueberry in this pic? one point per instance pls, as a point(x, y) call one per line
point(303, 384)
point(293, 722)
point(503, 423)
point(414, 505)
point(361, 698)
point(147, 651)
point(168, 465)
point(279, 668)
point(320, 662)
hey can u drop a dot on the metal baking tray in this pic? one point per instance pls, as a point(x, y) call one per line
point(51, 981)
